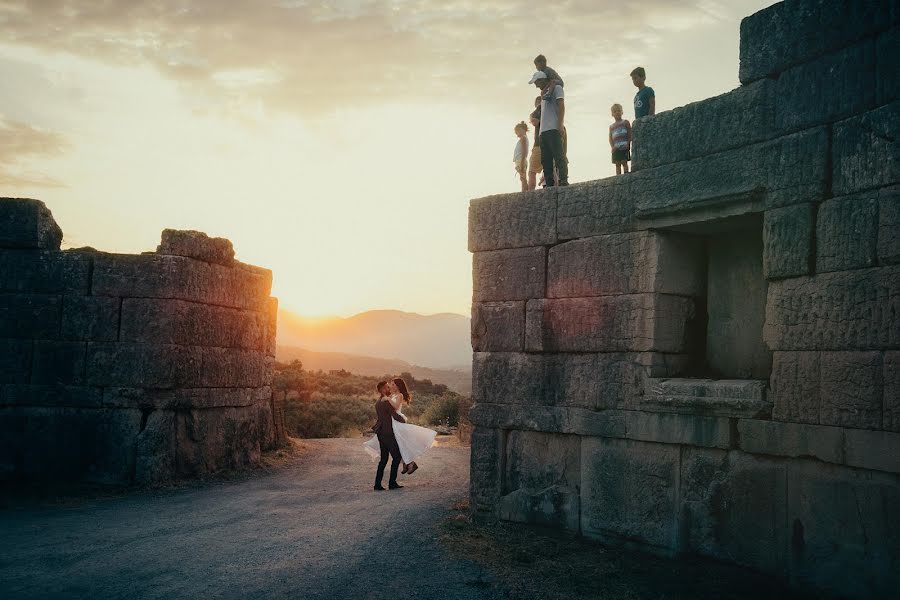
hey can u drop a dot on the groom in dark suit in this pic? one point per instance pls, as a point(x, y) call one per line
point(384, 429)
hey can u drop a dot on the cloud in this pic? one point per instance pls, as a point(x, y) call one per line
point(307, 57)
point(19, 144)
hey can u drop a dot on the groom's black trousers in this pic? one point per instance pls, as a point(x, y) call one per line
point(388, 444)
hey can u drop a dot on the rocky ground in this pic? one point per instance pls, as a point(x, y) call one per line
point(309, 528)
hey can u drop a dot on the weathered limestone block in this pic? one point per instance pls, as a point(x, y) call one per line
point(853, 310)
point(29, 316)
point(842, 522)
point(210, 440)
point(550, 419)
point(68, 444)
point(669, 428)
point(829, 388)
point(265, 424)
point(159, 321)
point(794, 440)
point(554, 506)
point(168, 366)
point(865, 152)
point(498, 327)
point(156, 449)
point(892, 391)
point(272, 326)
point(887, 65)
point(847, 233)
point(484, 471)
point(595, 208)
point(626, 263)
point(782, 172)
point(90, 318)
point(176, 277)
point(875, 450)
point(826, 89)
point(513, 220)
point(737, 118)
point(44, 272)
point(27, 223)
point(889, 226)
point(720, 398)
point(628, 491)
point(790, 33)
point(635, 322)
point(733, 507)
point(58, 362)
point(787, 241)
point(516, 274)
point(50, 395)
point(184, 398)
point(196, 244)
point(15, 360)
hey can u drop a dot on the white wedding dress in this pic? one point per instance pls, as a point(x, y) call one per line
point(412, 439)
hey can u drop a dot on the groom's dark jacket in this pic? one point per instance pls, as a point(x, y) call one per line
point(385, 412)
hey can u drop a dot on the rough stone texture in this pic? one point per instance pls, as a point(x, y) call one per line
point(636, 322)
point(847, 233)
point(15, 360)
point(891, 419)
point(887, 65)
point(177, 277)
point(788, 241)
point(44, 272)
point(737, 118)
point(50, 395)
point(498, 327)
point(58, 362)
point(795, 440)
point(157, 321)
point(628, 491)
point(517, 274)
point(720, 398)
point(27, 223)
point(513, 220)
point(156, 449)
point(196, 244)
point(183, 398)
point(29, 316)
point(625, 264)
point(90, 318)
point(484, 469)
point(595, 208)
point(865, 151)
point(888, 247)
point(795, 386)
point(212, 440)
point(853, 310)
point(829, 88)
point(272, 326)
point(552, 419)
point(798, 31)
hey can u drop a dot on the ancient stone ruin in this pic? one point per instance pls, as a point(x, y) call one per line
point(122, 369)
point(704, 356)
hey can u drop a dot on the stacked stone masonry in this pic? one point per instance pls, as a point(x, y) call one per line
point(703, 356)
point(130, 369)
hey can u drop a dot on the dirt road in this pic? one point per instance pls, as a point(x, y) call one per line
point(314, 529)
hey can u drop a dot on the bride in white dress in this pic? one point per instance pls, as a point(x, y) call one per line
point(412, 439)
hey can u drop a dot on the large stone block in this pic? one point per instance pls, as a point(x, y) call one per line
point(826, 89)
point(29, 316)
point(891, 419)
point(637, 322)
point(158, 321)
point(58, 363)
point(707, 397)
point(671, 428)
point(732, 507)
point(513, 220)
point(737, 118)
point(847, 233)
point(790, 33)
point(15, 360)
point(887, 65)
point(794, 440)
point(629, 491)
point(626, 263)
point(875, 450)
point(788, 241)
point(889, 226)
point(833, 311)
point(272, 326)
point(170, 366)
point(27, 223)
point(795, 386)
point(844, 521)
point(484, 470)
point(176, 277)
point(183, 398)
point(516, 274)
point(865, 152)
point(50, 395)
point(595, 208)
point(196, 244)
point(44, 272)
point(156, 449)
point(498, 327)
point(68, 444)
point(210, 440)
point(90, 318)
point(550, 419)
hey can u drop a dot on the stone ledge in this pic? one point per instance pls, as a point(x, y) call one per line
point(708, 397)
point(44, 272)
point(513, 220)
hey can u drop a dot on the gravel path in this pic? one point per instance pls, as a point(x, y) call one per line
point(314, 529)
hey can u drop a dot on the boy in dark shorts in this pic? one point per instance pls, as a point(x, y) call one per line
point(620, 140)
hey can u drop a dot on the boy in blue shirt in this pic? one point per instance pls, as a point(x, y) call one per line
point(645, 99)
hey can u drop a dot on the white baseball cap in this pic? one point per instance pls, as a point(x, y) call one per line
point(537, 75)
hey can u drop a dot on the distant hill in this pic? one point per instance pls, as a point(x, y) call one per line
point(457, 380)
point(438, 341)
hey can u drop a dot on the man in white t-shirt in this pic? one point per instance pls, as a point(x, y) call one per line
point(553, 111)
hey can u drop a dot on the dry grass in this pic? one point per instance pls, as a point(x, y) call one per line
point(533, 562)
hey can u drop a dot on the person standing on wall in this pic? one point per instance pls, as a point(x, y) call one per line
point(553, 111)
point(645, 98)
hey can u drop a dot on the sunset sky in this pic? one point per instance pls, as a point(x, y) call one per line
point(336, 143)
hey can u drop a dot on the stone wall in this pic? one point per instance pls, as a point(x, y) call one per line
point(702, 356)
point(124, 369)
